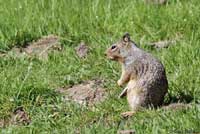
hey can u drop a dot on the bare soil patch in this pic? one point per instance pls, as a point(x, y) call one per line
point(40, 48)
point(43, 46)
point(87, 93)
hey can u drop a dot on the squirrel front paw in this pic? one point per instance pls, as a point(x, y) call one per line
point(119, 83)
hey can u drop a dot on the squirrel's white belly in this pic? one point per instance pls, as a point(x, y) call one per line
point(135, 97)
point(134, 102)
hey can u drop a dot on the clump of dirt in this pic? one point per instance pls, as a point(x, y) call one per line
point(40, 48)
point(19, 116)
point(87, 93)
point(82, 50)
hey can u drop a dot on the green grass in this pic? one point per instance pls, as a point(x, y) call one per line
point(31, 83)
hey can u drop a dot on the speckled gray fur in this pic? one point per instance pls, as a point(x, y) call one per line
point(144, 74)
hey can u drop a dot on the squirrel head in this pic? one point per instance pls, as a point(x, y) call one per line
point(120, 50)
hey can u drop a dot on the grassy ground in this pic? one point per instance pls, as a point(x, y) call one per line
point(31, 83)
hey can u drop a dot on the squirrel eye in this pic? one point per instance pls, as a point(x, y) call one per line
point(113, 47)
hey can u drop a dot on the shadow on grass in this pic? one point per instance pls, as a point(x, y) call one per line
point(180, 97)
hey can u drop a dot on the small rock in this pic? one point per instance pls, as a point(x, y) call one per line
point(82, 50)
point(126, 132)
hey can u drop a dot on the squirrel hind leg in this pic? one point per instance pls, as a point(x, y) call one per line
point(136, 99)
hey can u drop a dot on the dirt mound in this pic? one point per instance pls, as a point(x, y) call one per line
point(40, 48)
point(87, 93)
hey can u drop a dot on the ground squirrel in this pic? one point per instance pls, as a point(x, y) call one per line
point(144, 74)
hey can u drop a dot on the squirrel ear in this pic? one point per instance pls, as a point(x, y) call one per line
point(126, 37)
